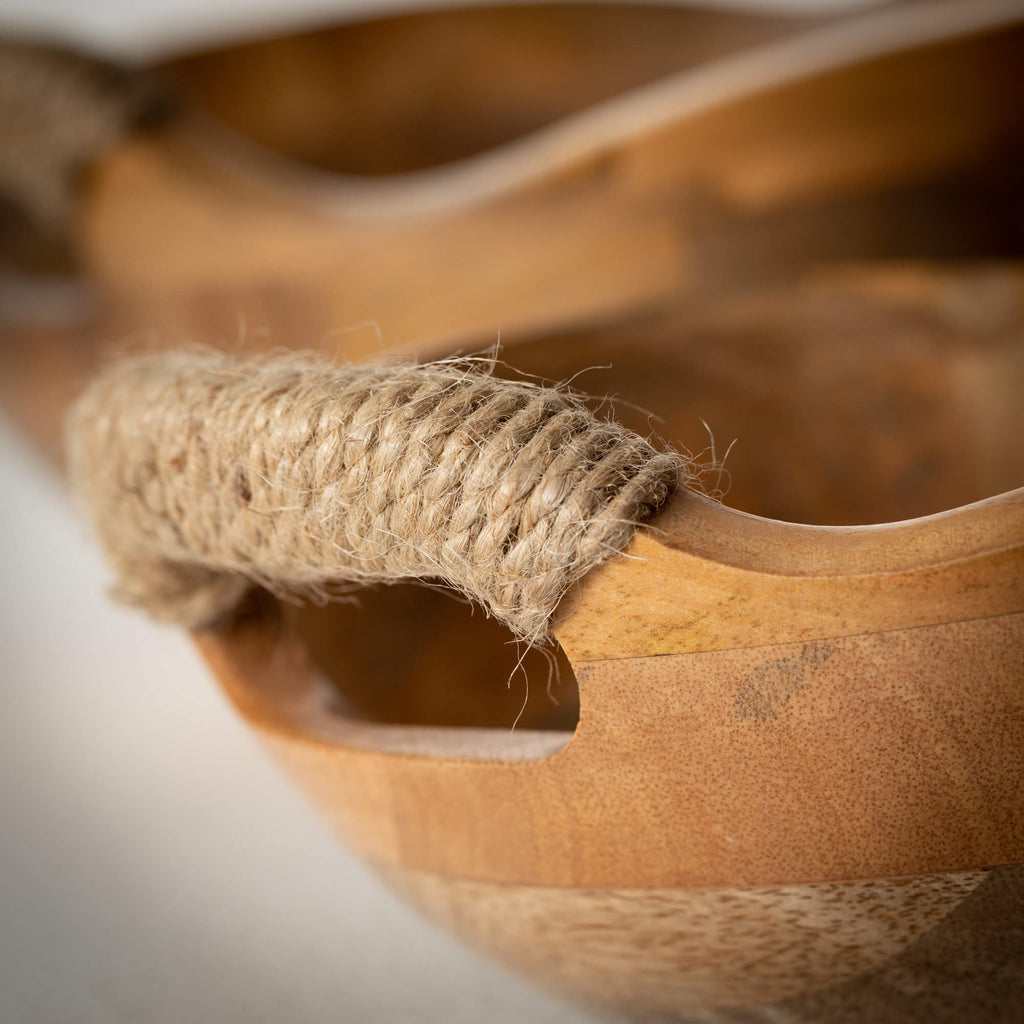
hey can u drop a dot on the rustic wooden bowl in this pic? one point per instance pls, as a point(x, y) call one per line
point(790, 774)
point(672, 154)
point(797, 776)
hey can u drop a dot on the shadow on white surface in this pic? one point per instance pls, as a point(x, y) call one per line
point(156, 28)
point(155, 866)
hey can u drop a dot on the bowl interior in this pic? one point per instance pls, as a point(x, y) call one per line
point(867, 395)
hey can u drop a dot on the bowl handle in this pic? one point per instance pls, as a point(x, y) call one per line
point(204, 473)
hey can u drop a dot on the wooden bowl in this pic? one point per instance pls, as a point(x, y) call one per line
point(784, 779)
point(797, 775)
point(671, 155)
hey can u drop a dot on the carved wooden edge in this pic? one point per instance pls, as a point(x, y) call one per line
point(704, 577)
point(615, 234)
point(550, 153)
point(878, 755)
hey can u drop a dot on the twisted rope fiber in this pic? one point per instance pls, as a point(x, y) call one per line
point(59, 111)
point(204, 475)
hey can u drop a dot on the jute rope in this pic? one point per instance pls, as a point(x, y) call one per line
point(204, 474)
point(59, 111)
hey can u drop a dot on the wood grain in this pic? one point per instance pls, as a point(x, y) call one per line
point(748, 174)
point(770, 583)
point(687, 950)
point(877, 755)
point(621, 224)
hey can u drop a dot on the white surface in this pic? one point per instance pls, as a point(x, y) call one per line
point(155, 27)
point(154, 864)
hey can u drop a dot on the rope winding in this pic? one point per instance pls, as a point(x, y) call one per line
point(205, 474)
point(60, 111)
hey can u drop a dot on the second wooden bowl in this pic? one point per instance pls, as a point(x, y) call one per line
point(795, 789)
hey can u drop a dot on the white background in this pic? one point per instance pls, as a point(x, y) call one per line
point(155, 866)
point(155, 27)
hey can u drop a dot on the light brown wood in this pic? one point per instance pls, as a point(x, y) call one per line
point(718, 947)
point(836, 712)
point(741, 171)
point(687, 767)
point(769, 583)
point(622, 219)
point(766, 794)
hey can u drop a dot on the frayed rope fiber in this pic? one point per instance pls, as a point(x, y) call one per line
point(204, 474)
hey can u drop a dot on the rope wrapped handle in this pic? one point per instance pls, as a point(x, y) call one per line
point(205, 474)
point(60, 111)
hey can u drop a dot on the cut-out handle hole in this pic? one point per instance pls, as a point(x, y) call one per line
point(412, 655)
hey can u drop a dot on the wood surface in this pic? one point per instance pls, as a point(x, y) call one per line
point(401, 93)
point(725, 827)
point(747, 171)
point(579, 232)
point(940, 948)
point(865, 743)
